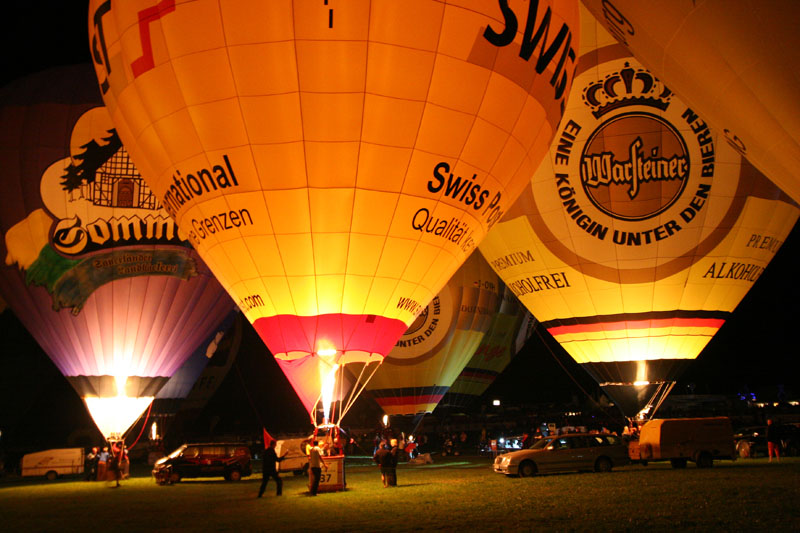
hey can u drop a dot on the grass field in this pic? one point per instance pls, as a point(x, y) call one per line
point(463, 495)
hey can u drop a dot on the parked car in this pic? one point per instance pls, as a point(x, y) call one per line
point(563, 453)
point(751, 441)
point(229, 460)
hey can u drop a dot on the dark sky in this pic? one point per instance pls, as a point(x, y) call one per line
point(755, 348)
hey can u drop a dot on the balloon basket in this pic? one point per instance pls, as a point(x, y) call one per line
point(333, 478)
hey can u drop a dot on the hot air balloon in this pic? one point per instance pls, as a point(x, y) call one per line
point(430, 355)
point(733, 62)
point(640, 232)
point(334, 164)
point(510, 329)
point(94, 268)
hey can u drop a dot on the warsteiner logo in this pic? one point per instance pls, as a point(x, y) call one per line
point(649, 180)
point(633, 185)
point(635, 165)
point(630, 184)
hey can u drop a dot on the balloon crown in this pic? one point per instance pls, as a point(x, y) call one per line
point(629, 86)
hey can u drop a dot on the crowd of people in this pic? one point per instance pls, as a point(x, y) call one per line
point(461, 441)
point(108, 463)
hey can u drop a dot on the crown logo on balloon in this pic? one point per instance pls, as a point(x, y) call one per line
point(627, 87)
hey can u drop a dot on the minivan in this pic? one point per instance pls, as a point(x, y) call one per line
point(229, 460)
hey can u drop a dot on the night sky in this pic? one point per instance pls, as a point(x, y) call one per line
point(754, 349)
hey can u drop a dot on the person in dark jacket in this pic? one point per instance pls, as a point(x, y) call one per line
point(394, 452)
point(90, 466)
point(270, 469)
point(385, 460)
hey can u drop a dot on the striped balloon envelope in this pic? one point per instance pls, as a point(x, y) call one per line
point(334, 163)
point(511, 327)
point(94, 268)
point(640, 232)
point(431, 354)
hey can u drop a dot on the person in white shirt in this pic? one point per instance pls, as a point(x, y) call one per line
point(315, 465)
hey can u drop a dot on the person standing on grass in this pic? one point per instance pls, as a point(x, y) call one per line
point(773, 441)
point(395, 455)
point(125, 464)
point(115, 462)
point(384, 459)
point(91, 465)
point(102, 461)
point(315, 465)
point(270, 469)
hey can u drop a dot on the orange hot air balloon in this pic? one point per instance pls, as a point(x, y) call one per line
point(334, 164)
point(733, 62)
point(430, 355)
point(510, 329)
point(640, 233)
point(93, 267)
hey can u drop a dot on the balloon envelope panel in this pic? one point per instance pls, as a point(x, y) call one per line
point(643, 228)
point(94, 268)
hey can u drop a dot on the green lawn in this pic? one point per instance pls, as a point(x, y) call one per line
point(463, 495)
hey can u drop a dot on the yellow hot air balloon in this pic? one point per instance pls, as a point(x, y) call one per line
point(334, 163)
point(431, 354)
point(641, 231)
point(734, 62)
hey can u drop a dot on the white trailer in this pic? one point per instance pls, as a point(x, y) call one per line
point(679, 440)
point(53, 463)
point(294, 454)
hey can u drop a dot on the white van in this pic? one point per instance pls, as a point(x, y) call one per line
point(53, 463)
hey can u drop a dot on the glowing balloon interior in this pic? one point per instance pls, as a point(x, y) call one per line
point(113, 415)
point(334, 164)
point(94, 268)
point(640, 232)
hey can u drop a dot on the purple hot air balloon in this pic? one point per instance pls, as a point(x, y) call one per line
point(93, 266)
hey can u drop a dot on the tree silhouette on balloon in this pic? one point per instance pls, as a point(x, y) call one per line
point(92, 157)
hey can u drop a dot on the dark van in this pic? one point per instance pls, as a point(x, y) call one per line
point(229, 460)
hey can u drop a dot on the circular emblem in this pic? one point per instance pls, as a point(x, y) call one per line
point(430, 331)
point(419, 322)
point(634, 166)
